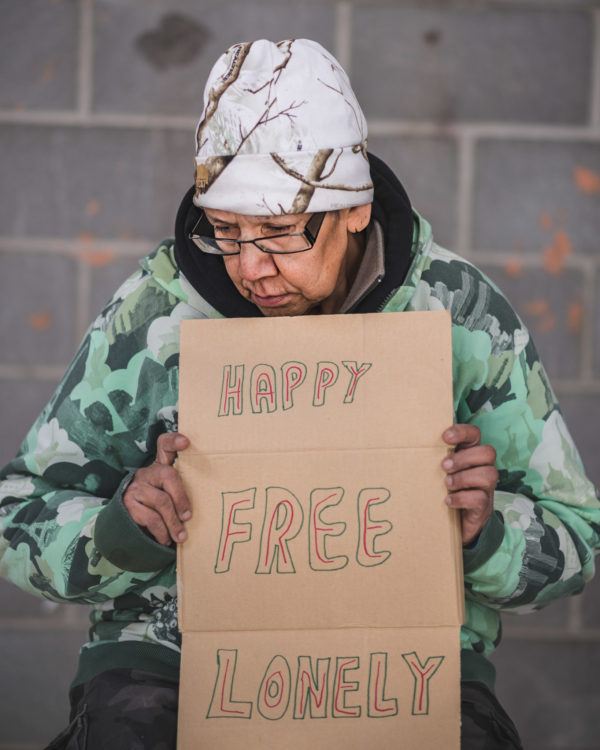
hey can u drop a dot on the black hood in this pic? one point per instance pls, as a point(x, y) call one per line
point(391, 208)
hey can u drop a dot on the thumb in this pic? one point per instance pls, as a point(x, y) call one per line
point(168, 445)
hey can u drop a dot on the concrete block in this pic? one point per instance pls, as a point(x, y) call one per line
point(16, 603)
point(582, 414)
point(551, 691)
point(596, 329)
point(508, 65)
point(154, 58)
point(21, 403)
point(554, 616)
point(94, 182)
point(37, 292)
point(541, 197)
point(38, 667)
point(551, 307)
point(18, 608)
point(427, 167)
point(38, 54)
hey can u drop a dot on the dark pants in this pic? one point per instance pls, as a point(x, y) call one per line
point(125, 709)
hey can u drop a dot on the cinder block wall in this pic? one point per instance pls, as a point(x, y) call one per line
point(489, 112)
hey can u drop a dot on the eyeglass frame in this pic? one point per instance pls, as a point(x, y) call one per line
point(310, 234)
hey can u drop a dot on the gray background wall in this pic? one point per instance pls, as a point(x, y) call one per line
point(490, 113)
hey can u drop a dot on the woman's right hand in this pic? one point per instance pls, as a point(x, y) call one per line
point(155, 497)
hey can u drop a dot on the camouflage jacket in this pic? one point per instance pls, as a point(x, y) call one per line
point(65, 535)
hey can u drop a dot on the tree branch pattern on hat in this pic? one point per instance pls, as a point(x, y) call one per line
point(287, 112)
point(313, 179)
point(212, 167)
point(217, 91)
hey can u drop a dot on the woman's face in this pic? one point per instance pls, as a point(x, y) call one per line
point(316, 280)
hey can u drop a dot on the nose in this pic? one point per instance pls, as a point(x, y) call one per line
point(255, 264)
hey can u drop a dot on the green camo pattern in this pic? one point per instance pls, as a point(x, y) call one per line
point(65, 535)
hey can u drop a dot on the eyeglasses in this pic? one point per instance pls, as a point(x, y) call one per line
point(221, 238)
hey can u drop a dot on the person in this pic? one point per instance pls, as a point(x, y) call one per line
point(289, 215)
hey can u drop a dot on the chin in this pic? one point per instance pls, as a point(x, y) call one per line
point(277, 312)
point(285, 310)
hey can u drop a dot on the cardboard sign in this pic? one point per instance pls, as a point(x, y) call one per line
point(320, 589)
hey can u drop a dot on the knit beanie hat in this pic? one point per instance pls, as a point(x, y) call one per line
point(281, 132)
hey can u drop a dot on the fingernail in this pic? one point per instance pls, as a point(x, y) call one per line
point(449, 481)
point(447, 463)
point(448, 500)
point(186, 515)
point(182, 536)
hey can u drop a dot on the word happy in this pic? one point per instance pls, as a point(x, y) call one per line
point(267, 389)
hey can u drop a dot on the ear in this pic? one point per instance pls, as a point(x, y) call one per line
point(358, 218)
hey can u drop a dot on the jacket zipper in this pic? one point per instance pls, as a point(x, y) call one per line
point(387, 299)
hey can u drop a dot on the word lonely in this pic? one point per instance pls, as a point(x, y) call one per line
point(266, 388)
point(315, 688)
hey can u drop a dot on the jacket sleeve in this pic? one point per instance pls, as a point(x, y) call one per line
point(64, 532)
point(540, 543)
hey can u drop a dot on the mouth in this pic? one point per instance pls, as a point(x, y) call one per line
point(271, 300)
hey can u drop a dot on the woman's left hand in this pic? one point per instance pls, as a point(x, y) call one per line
point(471, 478)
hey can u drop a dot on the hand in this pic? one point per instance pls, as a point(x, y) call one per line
point(155, 498)
point(471, 478)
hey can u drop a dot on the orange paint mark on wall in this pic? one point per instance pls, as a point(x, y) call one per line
point(92, 208)
point(47, 74)
point(540, 310)
point(97, 258)
point(41, 320)
point(546, 221)
point(547, 324)
point(128, 234)
point(513, 268)
point(537, 307)
point(575, 317)
point(586, 180)
point(555, 255)
point(94, 256)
